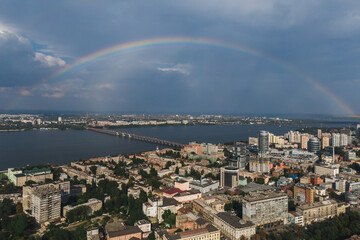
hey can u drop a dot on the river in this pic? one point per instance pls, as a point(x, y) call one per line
point(19, 149)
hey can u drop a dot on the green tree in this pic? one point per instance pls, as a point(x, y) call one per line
point(151, 236)
point(93, 169)
point(77, 214)
point(260, 181)
point(228, 207)
point(177, 170)
point(153, 172)
point(166, 214)
point(168, 164)
point(79, 234)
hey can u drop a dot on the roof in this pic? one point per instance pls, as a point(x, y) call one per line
point(234, 220)
point(37, 170)
point(254, 187)
point(208, 229)
point(173, 191)
point(181, 181)
point(129, 230)
point(201, 221)
point(264, 196)
point(169, 202)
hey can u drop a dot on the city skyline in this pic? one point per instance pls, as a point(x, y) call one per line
point(242, 57)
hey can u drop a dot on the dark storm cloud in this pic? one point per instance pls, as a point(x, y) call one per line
point(19, 64)
point(319, 38)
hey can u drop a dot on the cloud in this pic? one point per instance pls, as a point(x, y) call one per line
point(24, 92)
point(105, 86)
point(319, 38)
point(180, 68)
point(54, 95)
point(20, 65)
point(49, 61)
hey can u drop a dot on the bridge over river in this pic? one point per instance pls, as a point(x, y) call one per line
point(137, 137)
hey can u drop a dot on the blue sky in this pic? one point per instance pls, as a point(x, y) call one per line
point(318, 38)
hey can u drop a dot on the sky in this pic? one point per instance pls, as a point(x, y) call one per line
point(294, 41)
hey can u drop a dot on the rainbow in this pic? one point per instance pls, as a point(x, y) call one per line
point(186, 41)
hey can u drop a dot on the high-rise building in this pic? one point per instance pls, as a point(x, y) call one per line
point(259, 164)
point(46, 204)
point(304, 141)
point(265, 209)
point(263, 141)
point(325, 142)
point(229, 177)
point(291, 137)
point(335, 139)
point(238, 159)
point(313, 145)
point(344, 139)
point(319, 133)
point(358, 130)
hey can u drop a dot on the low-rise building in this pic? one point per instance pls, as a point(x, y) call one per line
point(130, 232)
point(145, 227)
point(327, 170)
point(233, 227)
point(93, 205)
point(207, 233)
point(20, 177)
point(319, 211)
point(204, 185)
point(156, 206)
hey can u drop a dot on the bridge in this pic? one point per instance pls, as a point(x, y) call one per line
point(137, 137)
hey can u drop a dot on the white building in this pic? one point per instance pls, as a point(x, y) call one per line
point(204, 185)
point(327, 170)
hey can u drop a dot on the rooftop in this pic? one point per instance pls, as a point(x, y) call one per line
point(127, 231)
point(169, 202)
point(264, 196)
point(315, 205)
point(45, 190)
point(234, 220)
point(208, 229)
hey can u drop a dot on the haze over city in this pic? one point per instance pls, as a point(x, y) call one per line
point(180, 56)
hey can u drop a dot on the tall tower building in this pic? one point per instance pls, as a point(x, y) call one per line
point(314, 145)
point(263, 141)
point(319, 133)
point(325, 142)
point(238, 159)
point(229, 177)
point(304, 141)
point(335, 139)
point(46, 204)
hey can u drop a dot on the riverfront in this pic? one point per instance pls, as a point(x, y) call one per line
point(60, 147)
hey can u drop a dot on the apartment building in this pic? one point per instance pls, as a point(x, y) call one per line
point(266, 209)
point(63, 187)
point(46, 203)
point(304, 193)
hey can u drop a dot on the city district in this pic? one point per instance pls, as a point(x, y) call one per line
point(301, 185)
